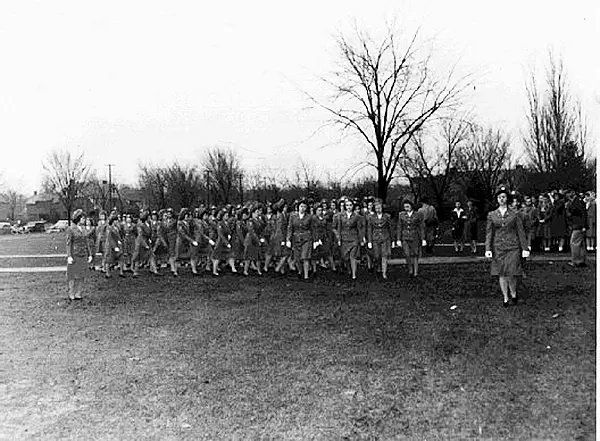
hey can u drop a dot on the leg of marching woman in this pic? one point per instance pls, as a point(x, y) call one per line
point(512, 287)
point(415, 266)
point(232, 265)
point(384, 265)
point(353, 265)
point(504, 288)
point(193, 262)
point(305, 265)
point(71, 288)
point(78, 285)
point(215, 265)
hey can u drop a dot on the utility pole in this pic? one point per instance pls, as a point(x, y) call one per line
point(208, 188)
point(110, 200)
point(241, 191)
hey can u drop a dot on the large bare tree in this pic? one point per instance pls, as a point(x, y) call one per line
point(16, 201)
point(555, 122)
point(385, 92)
point(66, 174)
point(224, 174)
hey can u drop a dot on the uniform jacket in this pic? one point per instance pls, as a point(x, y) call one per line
point(577, 215)
point(300, 229)
point(504, 233)
point(77, 243)
point(348, 228)
point(410, 228)
point(379, 229)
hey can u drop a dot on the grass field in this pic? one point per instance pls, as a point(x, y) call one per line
point(275, 358)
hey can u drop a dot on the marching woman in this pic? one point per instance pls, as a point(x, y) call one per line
point(531, 217)
point(90, 236)
point(185, 242)
point(101, 237)
point(171, 230)
point(129, 230)
point(113, 247)
point(321, 236)
point(558, 221)
point(142, 252)
point(347, 233)
point(202, 236)
point(269, 220)
point(277, 241)
point(411, 236)
point(160, 247)
point(506, 245)
point(300, 238)
point(238, 227)
point(458, 227)
point(379, 237)
point(222, 247)
point(253, 240)
point(79, 255)
point(545, 215)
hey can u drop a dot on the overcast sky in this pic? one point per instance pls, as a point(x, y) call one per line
point(145, 81)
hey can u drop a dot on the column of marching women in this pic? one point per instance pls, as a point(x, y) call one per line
point(307, 238)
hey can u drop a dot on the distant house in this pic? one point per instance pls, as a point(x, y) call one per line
point(44, 206)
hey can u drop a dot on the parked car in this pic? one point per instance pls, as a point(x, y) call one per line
point(58, 227)
point(34, 227)
point(5, 228)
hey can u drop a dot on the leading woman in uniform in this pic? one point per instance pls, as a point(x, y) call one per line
point(411, 236)
point(506, 245)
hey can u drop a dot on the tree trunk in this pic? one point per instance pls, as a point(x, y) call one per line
point(382, 188)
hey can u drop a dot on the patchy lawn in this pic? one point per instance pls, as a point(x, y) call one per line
point(275, 358)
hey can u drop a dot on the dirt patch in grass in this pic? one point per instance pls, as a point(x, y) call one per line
point(274, 358)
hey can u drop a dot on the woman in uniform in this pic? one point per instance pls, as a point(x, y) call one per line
point(143, 246)
point(323, 239)
point(379, 237)
point(253, 240)
point(278, 248)
point(90, 236)
point(171, 235)
point(160, 246)
point(129, 231)
point(558, 222)
point(269, 221)
point(222, 248)
point(545, 212)
point(411, 236)
point(201, 232)
point(348, 236)
point(185, 242)
point(101, 238)
point(506, 245)
point(113, 247)
point(300, 238)
point(79, 255)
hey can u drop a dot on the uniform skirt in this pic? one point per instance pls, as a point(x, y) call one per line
point(77, 269)
point(172, 246)
point(591, 231)
point(141, 254)
point(349, 249)
point(251, 249)
point(507, 263)
point(471, 231)
point(202, 250)
point(221, 251)
point(111, 256)
point(382, 249)
point(302, 249)
point(411, 248)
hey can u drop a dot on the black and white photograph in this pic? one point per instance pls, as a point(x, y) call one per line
point(333, 220)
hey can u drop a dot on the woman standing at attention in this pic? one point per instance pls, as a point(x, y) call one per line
point(506, 244)
point(411, 236)
point(79, 254)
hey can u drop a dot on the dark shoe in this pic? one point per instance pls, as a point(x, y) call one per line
point(506, 304)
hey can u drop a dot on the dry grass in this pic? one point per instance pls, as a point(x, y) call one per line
point(274, 358)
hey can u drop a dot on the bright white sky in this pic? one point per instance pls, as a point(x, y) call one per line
point(146, 81)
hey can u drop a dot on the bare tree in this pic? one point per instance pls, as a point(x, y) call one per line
point(66, 175)
point(224, 170)
point(485, 158)
point(15, 199)
point(385, 92)
point(555, 122)
point(153, 183)
point(307, 177)
point(432, 159)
